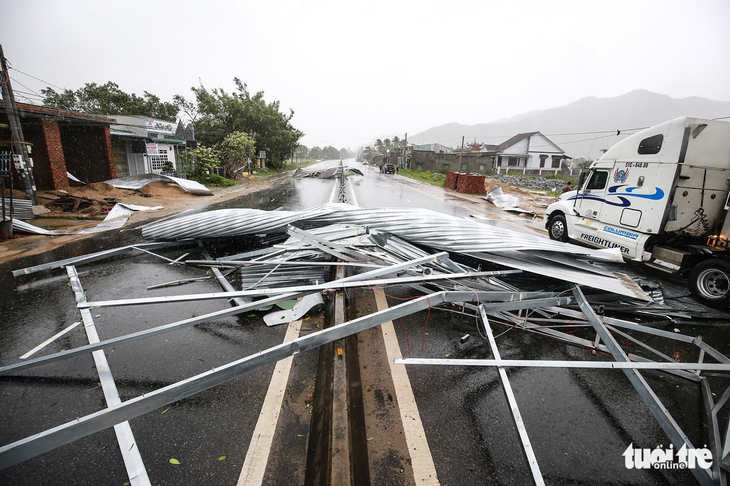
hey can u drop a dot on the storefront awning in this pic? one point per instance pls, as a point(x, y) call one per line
point(167, 140)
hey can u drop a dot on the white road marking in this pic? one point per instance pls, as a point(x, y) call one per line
point(424, 470)
point(49, 341)
point(352, 191)
point(257, 456)
point(334, 191)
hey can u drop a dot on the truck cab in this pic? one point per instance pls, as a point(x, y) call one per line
point(661, 197)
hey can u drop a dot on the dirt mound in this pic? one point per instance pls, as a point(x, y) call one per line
point(95, 190)
point(159, 188)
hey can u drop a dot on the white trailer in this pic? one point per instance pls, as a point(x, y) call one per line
point(661, 197)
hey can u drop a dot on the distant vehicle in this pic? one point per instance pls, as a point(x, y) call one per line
point(364, 163)
point(661, 197)
point(387, 168)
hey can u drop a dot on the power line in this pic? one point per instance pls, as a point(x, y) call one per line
point(16, 81)
point(37, 79)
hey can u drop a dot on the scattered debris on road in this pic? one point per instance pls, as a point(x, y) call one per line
point(500, 277)
point(328, 173)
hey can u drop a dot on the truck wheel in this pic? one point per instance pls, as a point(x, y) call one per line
point(558, 229)
point(709, 282)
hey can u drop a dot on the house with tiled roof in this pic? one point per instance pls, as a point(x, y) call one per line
point(530, 151)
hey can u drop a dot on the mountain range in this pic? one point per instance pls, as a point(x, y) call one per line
point(584, 127)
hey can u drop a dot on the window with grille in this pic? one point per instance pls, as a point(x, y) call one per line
point(158, 161)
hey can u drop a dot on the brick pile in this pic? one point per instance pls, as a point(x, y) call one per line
point(452, 179)
point(470, 183)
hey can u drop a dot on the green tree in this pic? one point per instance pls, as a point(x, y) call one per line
point(108, 99)
point(301, 151)
point(189, 108)
point(380, 146)
point(368, 153)
point(203, 159)
point(315, 153)
point(222, 113)
point(235, 150)
point(330, 152)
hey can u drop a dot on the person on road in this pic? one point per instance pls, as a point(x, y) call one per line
point(568, 187)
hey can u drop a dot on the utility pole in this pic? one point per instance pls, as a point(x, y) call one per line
point(405, 148)
point(461, 154)
point(22, 162)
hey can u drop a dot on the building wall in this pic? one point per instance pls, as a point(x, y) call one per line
point(541, 144)
point(34, 135)
point(434, 162)
point(88, 156)
point(76, 143)
point(119, 153)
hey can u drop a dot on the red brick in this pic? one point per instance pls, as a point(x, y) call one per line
point(56, 160)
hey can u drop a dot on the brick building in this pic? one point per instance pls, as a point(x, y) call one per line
point(61, 142)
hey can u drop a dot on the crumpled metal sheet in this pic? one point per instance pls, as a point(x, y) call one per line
point(327, 173)
point(418, 226)
point(116, 218)
point(22, 208)
point(424, 228)
point(141, 180)
point(233, 222)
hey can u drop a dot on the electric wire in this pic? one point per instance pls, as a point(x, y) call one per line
point(31, 76)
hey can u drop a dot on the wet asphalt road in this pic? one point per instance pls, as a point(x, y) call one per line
point(579, 421)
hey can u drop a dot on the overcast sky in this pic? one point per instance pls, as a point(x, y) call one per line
point(356, 71)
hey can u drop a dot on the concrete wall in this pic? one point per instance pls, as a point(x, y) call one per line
point(433, 162)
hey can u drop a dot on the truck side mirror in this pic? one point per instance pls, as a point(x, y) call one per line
point(581, 180)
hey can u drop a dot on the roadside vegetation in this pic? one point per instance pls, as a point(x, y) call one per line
point(435, 178)
point(213, 180)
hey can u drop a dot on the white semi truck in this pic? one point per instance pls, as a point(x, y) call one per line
point(661, 197)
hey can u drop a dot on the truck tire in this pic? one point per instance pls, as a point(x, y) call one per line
point(558, 229)
point(709, 282)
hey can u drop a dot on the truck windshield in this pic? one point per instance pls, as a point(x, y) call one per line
point(598, 180)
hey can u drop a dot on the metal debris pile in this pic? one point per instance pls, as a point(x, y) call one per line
point(486, 272)
point(115, 218)
point(328, 173)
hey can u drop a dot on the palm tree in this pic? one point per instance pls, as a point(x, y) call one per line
point(379, 146)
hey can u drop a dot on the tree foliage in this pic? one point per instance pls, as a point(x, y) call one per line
point(315, 153)
point(108, 99)
point(329, 152)
point(235, 150)
point(202, 159)
point(222, 113)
